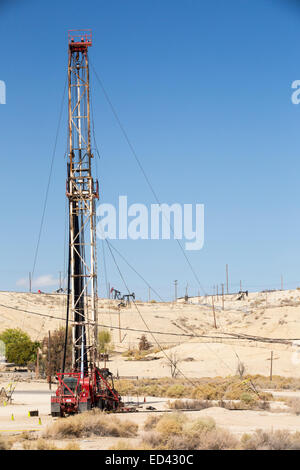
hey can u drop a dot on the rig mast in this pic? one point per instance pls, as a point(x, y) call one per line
point(85, 386)
point(82, 191)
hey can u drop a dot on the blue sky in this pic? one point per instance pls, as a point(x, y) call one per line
point(203, 89)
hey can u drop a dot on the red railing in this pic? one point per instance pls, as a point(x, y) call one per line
point(80, 36)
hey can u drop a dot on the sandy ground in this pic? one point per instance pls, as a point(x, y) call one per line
point(273, 315)
point(36, 396)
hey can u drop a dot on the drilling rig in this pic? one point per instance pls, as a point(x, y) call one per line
point(86, 386)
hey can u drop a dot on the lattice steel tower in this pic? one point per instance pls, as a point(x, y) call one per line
point(81, 192)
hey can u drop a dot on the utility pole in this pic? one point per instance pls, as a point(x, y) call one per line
point(227, 279)
point(240, 286)
point(29, 282)
point(37, 369)
point(120, 339)
point(217, 291)
point(175, 286)
point(214, 313)
point(222, 296)
point(149, 294)
point(271, 366)
point(60, 286)
point(49, 359)
point(186, 290)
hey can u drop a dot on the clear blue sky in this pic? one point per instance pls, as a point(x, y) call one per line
point(203, 89)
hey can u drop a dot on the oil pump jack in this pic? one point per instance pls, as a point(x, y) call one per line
point(86, 385)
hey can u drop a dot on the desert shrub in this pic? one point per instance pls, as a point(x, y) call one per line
point(151, 422)
point(242, 405)
point(241, 369)
point(5, 443)
point(72, 446)
point(175, 391)
point(208, 392)
point(91, 423)
point(39, 444)
point(180, 442)
point(170, 424)
point(19, 348)
point(178, 432)
point(294, 404)
point(248, 398)
point(104, 341)
point(217, 388)
point(43, 444)
point(28, 445)
point(144, 344)
point(122, 445)
point(125, 445)
point(272, 440)
point(199, 426)
point(189, 404)
point(153, 440)
point(238, 389)
point(136, 354)
point(217, 439)
point(278, 382)
point(55, 350)
point(265, 396)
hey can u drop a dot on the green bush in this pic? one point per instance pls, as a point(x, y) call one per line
point(104, 341)
point(19, 347)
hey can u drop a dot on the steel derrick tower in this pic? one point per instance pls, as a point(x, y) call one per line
point(82, 191)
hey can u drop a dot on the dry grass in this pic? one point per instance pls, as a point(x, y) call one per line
point(170, 423)
point(5, 443)
point(43, 444)
point(189, 404)
point(91, 423)
point(274, 440)
point(151, 422)
point(245, 405)
point(177, 432)
point(278, 382)
point(294, 404)
point(247, 402)
point(124, 445)
point(218, 388)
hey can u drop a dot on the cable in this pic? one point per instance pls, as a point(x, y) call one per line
point(68, 310)
point(49, 180)
point(136, 272)
point(106, 281)
point(143, 172)
point(229, 335)
point(170, 360)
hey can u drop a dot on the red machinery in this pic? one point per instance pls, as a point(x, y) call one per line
point(76, 394)
point(86, 386)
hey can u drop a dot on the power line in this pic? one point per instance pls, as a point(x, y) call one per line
point(134, 153)
point(237, 336)
point(133, 269)
point(49, 180)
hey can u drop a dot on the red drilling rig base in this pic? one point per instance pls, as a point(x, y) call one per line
point(77, 393)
